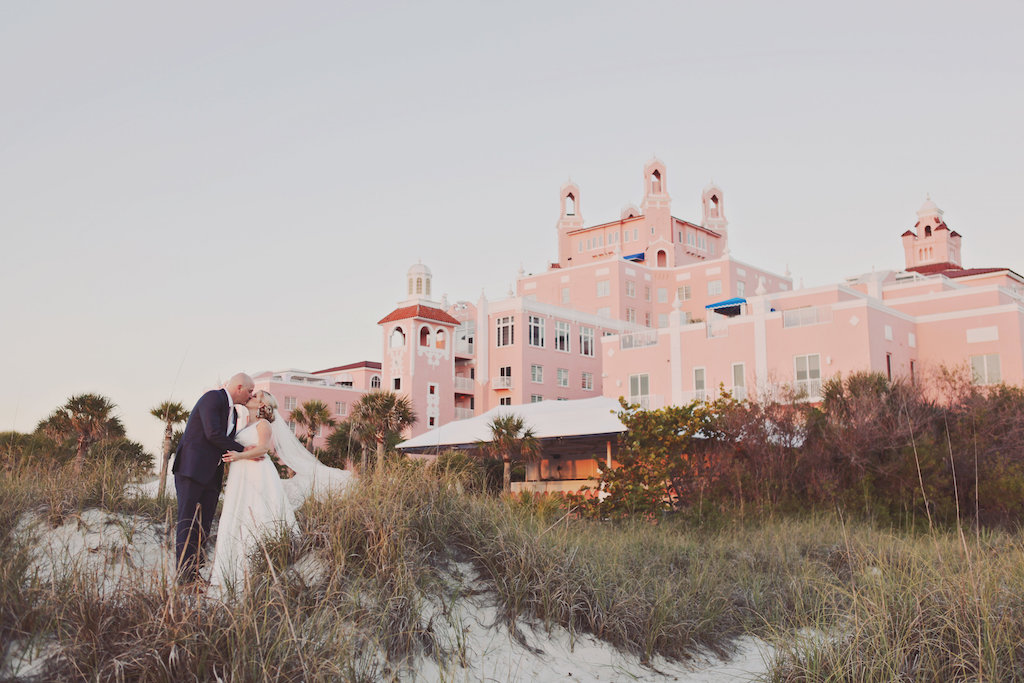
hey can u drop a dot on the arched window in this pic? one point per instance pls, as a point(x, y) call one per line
point(428, 287)
point(714, 206)
point(375, 382)
point(662, 259)
point(656, 182)
point(424, 336)
point(410, 286)
point(439, 339)
point(927, 231)
point(570, 205)
point(397, 338)
point(419, 285)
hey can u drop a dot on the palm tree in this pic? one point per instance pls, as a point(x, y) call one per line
point(510, 437)
point(170, 413)
point(311, 416)
point(377, 415)
point(87, 418)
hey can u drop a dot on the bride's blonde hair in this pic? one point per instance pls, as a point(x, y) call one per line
point(268, 404)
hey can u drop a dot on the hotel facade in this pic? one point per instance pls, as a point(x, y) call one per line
point(656, 309)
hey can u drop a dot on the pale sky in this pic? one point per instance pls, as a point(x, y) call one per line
point(193, 189)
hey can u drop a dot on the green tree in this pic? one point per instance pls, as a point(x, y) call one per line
point(311, 416)
point(171, 413)
point(510, 439)
point(86, 418)
point(378, 416)
point(342, 446)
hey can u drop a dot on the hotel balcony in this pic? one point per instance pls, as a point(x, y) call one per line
point(464, 385)
point(502, 383)
point(464, 348)
point(463, 413)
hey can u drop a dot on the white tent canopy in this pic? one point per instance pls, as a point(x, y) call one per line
point(548, 419)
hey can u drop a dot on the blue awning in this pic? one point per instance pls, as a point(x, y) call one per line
point(635, 257)
point(735, 301)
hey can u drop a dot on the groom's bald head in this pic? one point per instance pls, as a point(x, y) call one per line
point(240, 387)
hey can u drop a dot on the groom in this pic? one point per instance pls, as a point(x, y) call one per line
point(199, 468)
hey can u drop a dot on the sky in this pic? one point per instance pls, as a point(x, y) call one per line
point(188, 190)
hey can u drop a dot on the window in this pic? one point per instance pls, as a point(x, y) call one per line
point(536, 331)
point(588, 381)
point(808, 374)
point(986, 369)
point(636, 234)
point(505, 401)
point(431, 389)
point(639, 390)
point(430, 421)
point(586, 340)
point(506, 331)
point(396, 384)
point(424, 336)
point(536, 398)
point(647, 318)
point(339, 407)
point(699, 391)
point(662, 295)
point(563, 377)
point(565, 295)
point(739, 381)
point(397, 338)
point(440, 341)
point(711, 247)
point(289, 403)
point(602, 288)
point(291, 425)
point(375, 382)
point(683, 293)
point(714, 287)
point(741, 288)
point(630, 288)
point(561, 336)
point(647, 293)
point(630, 315)
point(691, 238)
point(537, 373)
point(663, 320)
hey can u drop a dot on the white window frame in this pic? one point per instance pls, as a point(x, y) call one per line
point(563, 377)
point(537, 373)
point(700, 383)
point(986, 369)
point(640, 389)
point(535, 331)
point(586, 341)
point(630, 289)
point(587, 381)
point(739, 390)
point(505, 331)
point(809, 384)
point(714, 287)
point(603, 288)
point(563, 339)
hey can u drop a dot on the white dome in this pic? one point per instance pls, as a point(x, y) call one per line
point(419, 269)
point(929, 209)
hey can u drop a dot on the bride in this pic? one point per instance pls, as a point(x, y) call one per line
point(257, 502)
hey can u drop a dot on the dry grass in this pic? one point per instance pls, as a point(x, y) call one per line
point(364, 589)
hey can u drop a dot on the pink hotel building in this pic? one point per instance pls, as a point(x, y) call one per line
point(656, 309)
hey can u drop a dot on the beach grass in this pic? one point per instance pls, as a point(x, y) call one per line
point(369, 587)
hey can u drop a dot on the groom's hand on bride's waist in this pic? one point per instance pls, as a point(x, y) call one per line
point(232, 456)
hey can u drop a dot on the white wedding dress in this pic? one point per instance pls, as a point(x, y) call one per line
point(255, 505)
point(258, 503)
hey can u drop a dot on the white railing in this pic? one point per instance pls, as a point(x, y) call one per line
point(463, 413)
point(695, 395)
point(808, 315)
point(502, 382)
point(638, 340)
point(717, 326)
point(464, 348)
point(465, 385)
point(648, 401)
point(810, 388)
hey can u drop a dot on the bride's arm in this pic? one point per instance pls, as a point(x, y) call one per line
point(256, 452)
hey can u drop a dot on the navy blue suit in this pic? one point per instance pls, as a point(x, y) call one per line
point(198, 473)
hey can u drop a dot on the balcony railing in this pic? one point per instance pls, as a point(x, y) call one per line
point(464, 348)
point(808, 315)
point(463, 413)
point(648, 401)
point(502, 382)
point(465, 385)
point(638, 340)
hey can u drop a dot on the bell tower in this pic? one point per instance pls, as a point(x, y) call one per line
point(570, 218)
point(934, 247)
point(713, 204)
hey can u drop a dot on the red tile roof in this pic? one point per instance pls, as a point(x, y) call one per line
point(953, 271)
point(418, 311)
point(372, 364)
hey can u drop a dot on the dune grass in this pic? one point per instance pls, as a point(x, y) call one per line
point(368, 585)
